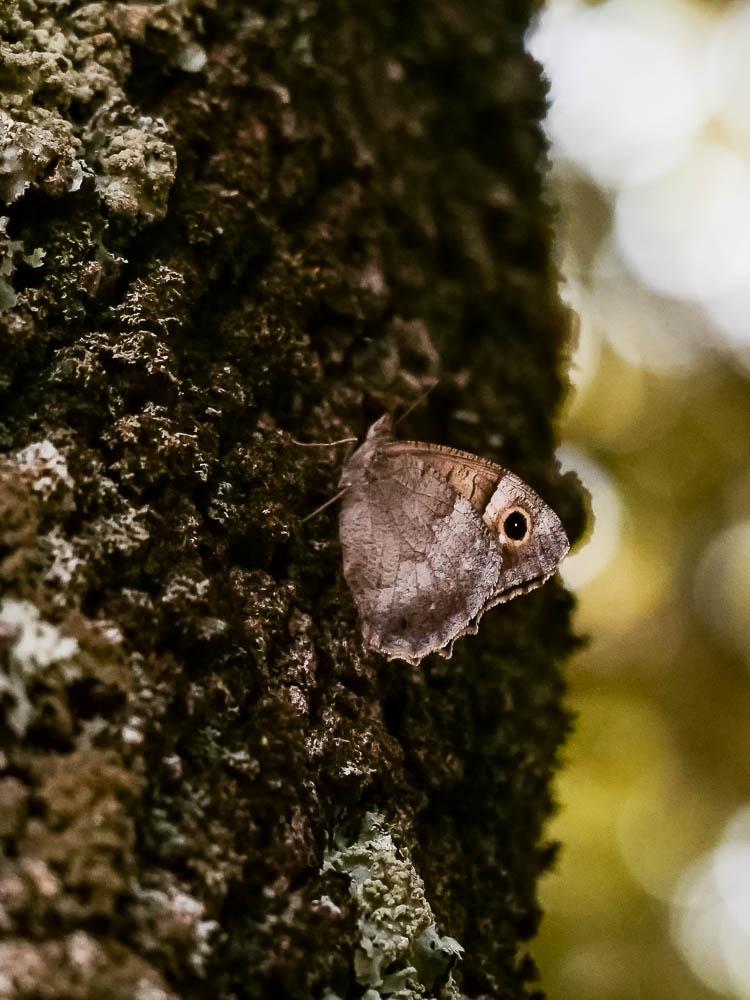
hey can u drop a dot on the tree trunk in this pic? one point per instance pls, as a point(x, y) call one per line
point(229, 225)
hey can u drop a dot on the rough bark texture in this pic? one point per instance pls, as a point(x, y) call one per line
point(228, 224)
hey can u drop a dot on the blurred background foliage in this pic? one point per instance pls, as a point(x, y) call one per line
point(649, 124)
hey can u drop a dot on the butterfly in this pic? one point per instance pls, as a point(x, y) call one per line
point(433, 537)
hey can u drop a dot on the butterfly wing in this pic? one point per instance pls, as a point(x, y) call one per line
point(429, 545)
point(473, 477)
point(529, 559)
point(418, 558)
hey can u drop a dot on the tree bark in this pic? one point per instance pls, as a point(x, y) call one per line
point(228, 226)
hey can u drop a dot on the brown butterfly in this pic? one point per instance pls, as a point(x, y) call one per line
point(432, 537)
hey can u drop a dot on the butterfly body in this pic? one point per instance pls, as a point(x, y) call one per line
point(432, 537)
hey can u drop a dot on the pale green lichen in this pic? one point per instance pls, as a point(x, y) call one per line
point(179, 916)
point(400, 954)
point(32, 647)
point(47, 469)
point(53, 63)
point(62, 562)
point(132, 160)
point(123, 532)
point(12, 252)
point(50, 60)
point(37, 147)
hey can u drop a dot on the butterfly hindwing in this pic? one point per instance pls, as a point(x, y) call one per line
point(419, 559)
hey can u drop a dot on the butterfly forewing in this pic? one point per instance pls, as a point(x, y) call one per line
point(472, 477)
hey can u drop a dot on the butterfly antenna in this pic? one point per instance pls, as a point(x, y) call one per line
point(319, 510)
point(417, 402)
point(322, 444)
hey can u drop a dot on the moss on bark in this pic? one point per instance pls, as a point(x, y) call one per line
point(227, 225)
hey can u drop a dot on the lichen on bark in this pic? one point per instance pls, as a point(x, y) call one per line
point(230, 226)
